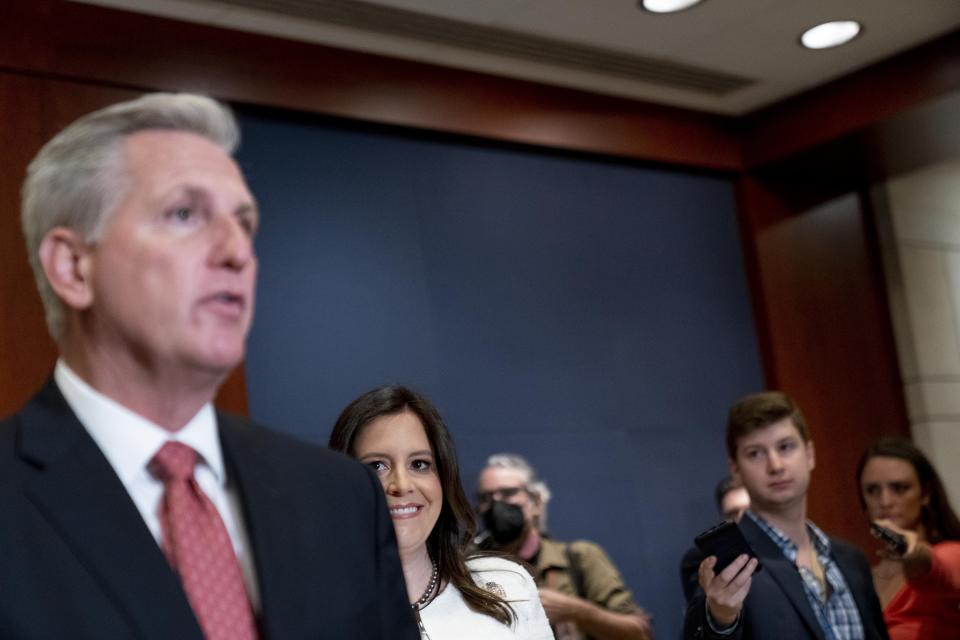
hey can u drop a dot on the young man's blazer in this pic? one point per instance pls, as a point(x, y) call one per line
point(777, 607)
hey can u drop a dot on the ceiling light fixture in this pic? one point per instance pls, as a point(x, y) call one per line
point(667, 6)
point(830, 34)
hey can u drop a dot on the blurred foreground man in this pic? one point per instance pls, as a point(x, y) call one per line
point(131, 508)
point(811, 586)
point(582, 592)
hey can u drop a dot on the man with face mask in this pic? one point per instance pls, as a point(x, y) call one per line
point(582, 592)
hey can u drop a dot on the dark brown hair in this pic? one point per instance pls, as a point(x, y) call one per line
point(939, 520)
point(759, 410)
point(725, 486)
point(455, 526)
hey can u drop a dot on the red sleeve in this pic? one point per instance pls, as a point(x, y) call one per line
point(945, 571)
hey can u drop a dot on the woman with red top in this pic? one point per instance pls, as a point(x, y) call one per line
point(920, 587)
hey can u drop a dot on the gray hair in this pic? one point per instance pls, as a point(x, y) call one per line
point(531, 480)
point(77, 179)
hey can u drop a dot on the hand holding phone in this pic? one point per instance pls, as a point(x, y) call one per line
point(894, 541)
point(726, 542)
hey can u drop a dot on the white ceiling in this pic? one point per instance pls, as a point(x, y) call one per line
point(755, 40)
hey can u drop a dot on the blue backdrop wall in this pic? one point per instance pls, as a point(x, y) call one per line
point(590, 315)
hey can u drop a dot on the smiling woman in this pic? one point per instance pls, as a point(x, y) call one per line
point(402, 438)
point(396, 447)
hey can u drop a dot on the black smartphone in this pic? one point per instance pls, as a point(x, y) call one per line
point(726, 542)
point(894, 541)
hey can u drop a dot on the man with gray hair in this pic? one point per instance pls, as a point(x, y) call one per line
point(132, 508)
point(581, 590)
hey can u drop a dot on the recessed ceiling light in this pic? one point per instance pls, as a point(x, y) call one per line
point(830, 34)
point(667, 6)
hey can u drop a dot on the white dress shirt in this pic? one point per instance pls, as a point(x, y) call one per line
point(130, 441)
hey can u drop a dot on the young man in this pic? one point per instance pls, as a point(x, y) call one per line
point(581, 590)
point(132, 508)
point(811, 586)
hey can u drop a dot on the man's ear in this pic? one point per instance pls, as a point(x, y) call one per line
point(66, 261)
point(811, 455)
point(536, 502)
point(734, 471)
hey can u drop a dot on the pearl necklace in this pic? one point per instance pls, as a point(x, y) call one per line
point(425, 598)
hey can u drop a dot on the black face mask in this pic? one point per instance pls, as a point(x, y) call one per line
point(504, 522)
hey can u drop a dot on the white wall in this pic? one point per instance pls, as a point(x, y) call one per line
point(919, 220)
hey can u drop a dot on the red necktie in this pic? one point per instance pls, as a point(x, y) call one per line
point(198, 547)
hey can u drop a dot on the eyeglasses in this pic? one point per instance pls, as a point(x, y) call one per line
point(503, 493)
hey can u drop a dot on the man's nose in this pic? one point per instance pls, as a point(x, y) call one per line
point(774, 462)
point(233, 245)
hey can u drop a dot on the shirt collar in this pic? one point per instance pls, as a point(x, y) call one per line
point(551, 555)
point(820, 540)
point(129, 440)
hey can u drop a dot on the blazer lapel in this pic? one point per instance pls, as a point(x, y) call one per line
point(78, 493)
point(259, 482)
point(783, 572)
point(859, 582)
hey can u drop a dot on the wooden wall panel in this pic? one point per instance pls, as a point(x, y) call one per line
point(853, 103)
point(825, 329)
point(27, 353)
point(138, 51)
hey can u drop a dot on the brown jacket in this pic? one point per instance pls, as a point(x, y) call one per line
point(600, 581)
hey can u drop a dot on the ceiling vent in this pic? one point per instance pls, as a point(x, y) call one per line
point(490, 40)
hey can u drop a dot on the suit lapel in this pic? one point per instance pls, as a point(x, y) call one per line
point(859, 582)
point(258, 483)
point(77, 492)
point(783, 572)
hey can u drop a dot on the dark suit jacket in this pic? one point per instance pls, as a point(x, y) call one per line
point(777, 605)
point(78, 561)
point(690, 572)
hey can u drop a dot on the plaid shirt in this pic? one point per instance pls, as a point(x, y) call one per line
point(836, 610)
